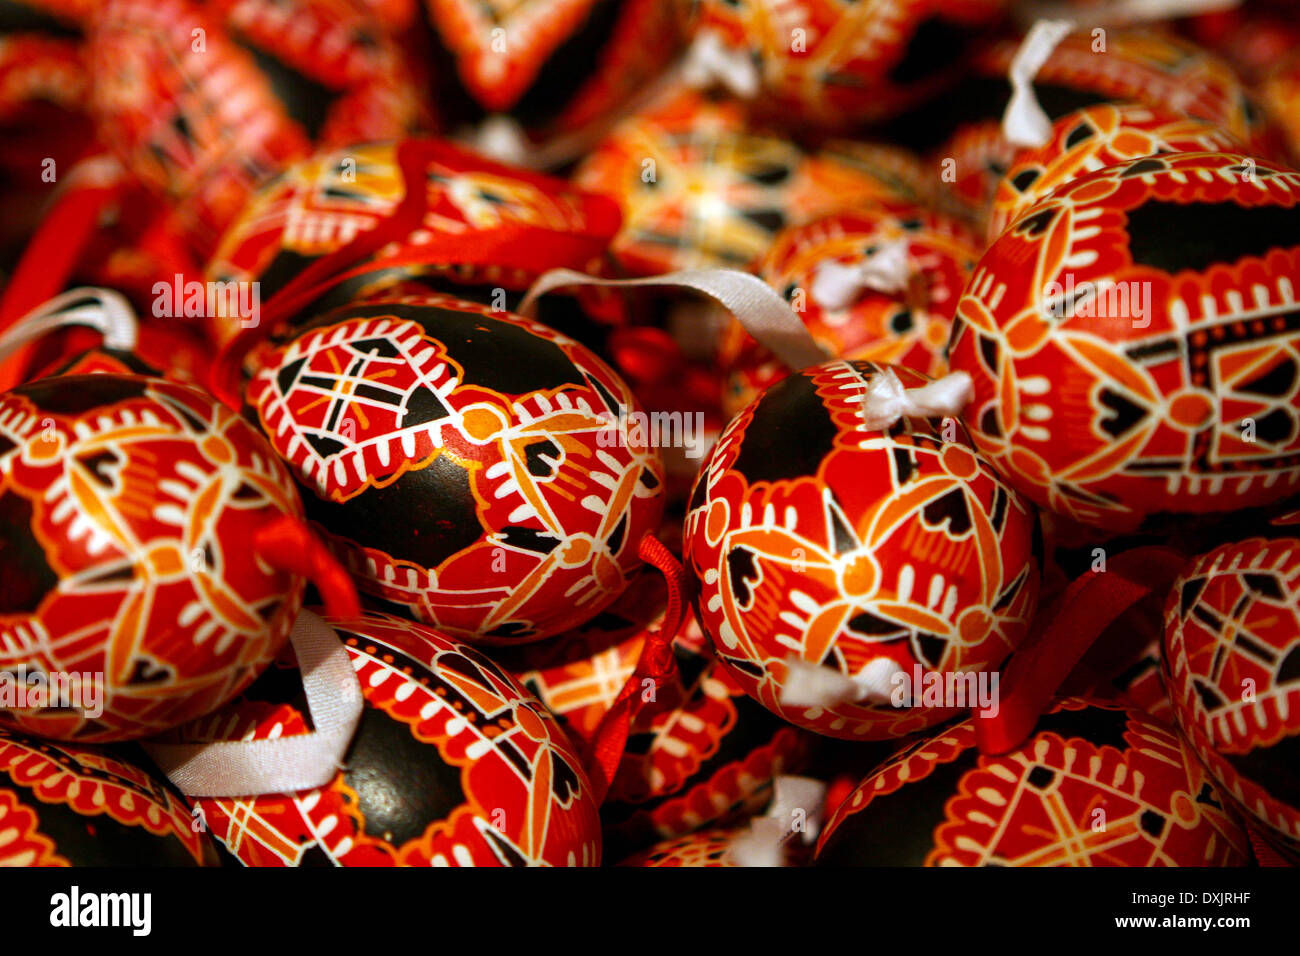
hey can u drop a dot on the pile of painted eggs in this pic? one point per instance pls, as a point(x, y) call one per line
point(617, 568)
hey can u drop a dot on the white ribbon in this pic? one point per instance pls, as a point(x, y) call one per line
point(815, 685)
point(236, 768)
point(757, 306)
point(888, 269)
point(107, 312)
point(885, 400)
point(710, 61)
point(797, 807)
point(1024, 123)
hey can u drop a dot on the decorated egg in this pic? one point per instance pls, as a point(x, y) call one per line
point(551, 68)
point(66, 805)
point(1095, 785)
point(698, 189)
point(877, 284)
point(963, 130)
point(1093, 138)
point(702, 752)
point(484, 226)
point(453, 764)
point(888, 558)
point(469, 465)
point(129, 508)
point(827, 63)
point(204, 103)
point(1232, 664)
point(1131, 340)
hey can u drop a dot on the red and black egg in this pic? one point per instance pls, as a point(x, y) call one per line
point(1132, 343)
point(871, 553)
point(66, 805)
point(1095, 785)
point(467, 464)
point(1093, 138)
point(205, 102)
point(127, 507)
point(1232, 665)
point(486, 229)
point(453, 764)
point(962, 131)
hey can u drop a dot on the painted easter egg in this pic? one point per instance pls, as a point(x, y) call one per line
point(891, 558)
point(1095, 785)
point(1232, 665)
point(484, 226)
point(826, 63)
point(65, 805)
point(128, 508)
point(1096, 137)
point(1131, 340)
point(962, 130)
point(702, 753)
point(900, 320)
point(453, 764)
point(468, 464)
point(204, 103)
point(698, 189)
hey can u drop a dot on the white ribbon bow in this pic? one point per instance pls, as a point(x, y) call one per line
point(796, 807)
point(888, 269)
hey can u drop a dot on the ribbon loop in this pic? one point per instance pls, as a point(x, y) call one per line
point(656, 663)
point(755, 304)
point(235, 768)
point(887, 270)
point(104, 310)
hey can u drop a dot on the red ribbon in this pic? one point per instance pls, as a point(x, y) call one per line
point(656, 663)
point(49, 260)
point(289, 545)
point(1084, 611)
point(413, 160)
